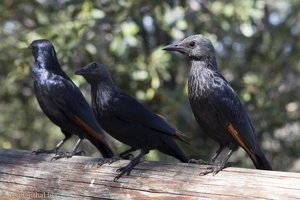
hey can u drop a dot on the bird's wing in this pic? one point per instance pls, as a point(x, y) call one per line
point(128, 109)
point(68, 98)
point(232, 115)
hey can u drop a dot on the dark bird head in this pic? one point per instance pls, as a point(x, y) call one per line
point(43, 49)
point(94, 72)
point(196, 47)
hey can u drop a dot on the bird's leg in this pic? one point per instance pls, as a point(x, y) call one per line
point(215, 169)
point(124, 155)
point(127, 154)
point(75, 152)
point(68, 154)
point(54, 150)
point(212, 160)
point(128, 168)
point(216, 154)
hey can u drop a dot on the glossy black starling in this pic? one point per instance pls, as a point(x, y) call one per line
point(61, 100)
point(127, 120)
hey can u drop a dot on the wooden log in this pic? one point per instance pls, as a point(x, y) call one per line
point(27, 176)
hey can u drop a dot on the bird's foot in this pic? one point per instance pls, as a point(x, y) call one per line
point(211, 169)
point(128, 168)
point(39, 151)
point(215, 169)
point(60, 155)
point(111, 160)
point(200, 161)
point(124, 170)
point(103, 161)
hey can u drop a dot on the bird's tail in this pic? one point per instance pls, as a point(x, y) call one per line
point(260, 161)
point(256, 154)
point(96, 136)
point(182, 137)
point(172, 149)
point(104, 149)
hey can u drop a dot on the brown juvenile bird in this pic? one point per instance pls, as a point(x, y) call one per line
point(217, 108)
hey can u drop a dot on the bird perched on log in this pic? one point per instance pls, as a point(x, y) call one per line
point(216, 107)
point(63, 103)
point(127, 120)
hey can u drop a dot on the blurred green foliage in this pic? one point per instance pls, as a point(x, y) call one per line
point(257, 44)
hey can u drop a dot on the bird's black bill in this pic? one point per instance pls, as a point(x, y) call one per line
point(80, 72)
point(89, 68)
point(174, 47)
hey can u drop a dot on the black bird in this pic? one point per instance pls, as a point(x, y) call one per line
point(217, 108)
point(63, 103)
point(127, 120)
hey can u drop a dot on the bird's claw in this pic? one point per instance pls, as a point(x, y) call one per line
point(60, 155)
point(124, 170)
point(215, 169)
point(200, 161)
point(208, 171)
point(103, 161)
point(117, 177)
point(121, 169)
point(39, 151)
point(56, 157)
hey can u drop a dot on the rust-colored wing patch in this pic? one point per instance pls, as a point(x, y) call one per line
point(240, 140)
point(88, 129)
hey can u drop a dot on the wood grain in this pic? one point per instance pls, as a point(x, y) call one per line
point(26, 176)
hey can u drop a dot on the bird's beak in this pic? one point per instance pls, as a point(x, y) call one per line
point(86, 69)
point(175, 47)
point(81, 71)
point(25, 50)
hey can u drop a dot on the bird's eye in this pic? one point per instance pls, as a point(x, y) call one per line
point(192, 43)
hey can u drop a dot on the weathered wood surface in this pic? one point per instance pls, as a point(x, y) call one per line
point(26, 176)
